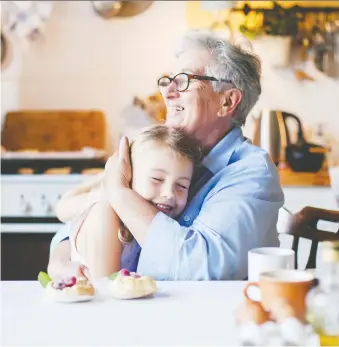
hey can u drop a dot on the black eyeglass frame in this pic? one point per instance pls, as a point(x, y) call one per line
point(192, 77)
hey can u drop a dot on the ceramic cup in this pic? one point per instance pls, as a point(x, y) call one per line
point(269, 259)
point(290, 286)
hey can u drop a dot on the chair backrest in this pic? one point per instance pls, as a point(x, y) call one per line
point(304, 224)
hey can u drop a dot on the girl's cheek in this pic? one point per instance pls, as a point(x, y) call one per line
point(146, 189)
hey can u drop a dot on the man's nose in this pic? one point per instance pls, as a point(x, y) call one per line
point(170, 92)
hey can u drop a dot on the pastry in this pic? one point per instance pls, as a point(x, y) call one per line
point(69, 289)
point(126, 285)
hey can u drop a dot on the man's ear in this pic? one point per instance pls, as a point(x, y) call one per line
point(229, 102)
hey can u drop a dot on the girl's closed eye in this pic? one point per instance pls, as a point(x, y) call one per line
point(182, 186)
point(157, 179)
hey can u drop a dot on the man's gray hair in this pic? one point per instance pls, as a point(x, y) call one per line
point(228, 62)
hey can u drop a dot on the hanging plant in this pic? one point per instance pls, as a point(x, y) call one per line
point(252, 26)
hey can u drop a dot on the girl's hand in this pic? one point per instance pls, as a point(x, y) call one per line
point(75, 268)
point(61, 269)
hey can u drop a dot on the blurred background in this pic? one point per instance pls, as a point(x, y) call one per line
point(79, 59)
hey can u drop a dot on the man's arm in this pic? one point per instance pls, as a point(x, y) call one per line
point(214, 247)
point(138, 214)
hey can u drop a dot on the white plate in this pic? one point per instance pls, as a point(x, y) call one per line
point(120, 296)
point(67, 295)
point(70, 298)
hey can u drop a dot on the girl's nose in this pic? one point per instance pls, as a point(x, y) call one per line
point(168, 192)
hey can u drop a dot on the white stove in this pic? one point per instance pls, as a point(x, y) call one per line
point(29, 201)
point(29, 222)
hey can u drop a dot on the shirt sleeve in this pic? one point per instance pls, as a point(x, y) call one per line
point(215, 246)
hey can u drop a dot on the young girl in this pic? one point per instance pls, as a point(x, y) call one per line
point(163, 160)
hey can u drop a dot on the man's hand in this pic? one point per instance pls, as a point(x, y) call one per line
point(138, 214)
point(118, 170)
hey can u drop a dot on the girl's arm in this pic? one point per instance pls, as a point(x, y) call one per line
point(77, 199)
point(97, 240)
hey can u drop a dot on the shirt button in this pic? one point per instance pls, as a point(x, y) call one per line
point(187, 218)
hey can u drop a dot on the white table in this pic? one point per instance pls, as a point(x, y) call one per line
point(181, 313)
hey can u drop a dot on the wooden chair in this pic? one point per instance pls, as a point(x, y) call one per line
point(303, 224)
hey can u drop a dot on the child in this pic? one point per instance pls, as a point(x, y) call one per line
point(163, 160)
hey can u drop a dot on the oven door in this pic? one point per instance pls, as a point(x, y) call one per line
point(25, 247)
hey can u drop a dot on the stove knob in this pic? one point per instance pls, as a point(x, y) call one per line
point(46, 206)
point(25, 206)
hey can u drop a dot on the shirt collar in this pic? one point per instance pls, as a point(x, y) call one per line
point(220, 155)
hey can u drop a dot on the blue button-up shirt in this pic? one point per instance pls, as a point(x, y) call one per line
point(235, 210)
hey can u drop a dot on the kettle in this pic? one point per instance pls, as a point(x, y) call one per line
point(273, 135)
point(270, 134)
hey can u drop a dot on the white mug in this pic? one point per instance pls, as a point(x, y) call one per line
point(268, 259)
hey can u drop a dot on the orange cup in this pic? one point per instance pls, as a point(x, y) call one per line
point(291, 286)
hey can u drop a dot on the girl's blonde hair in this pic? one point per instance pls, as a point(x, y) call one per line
point(175, 139)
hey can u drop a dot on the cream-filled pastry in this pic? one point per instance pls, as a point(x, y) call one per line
point(126, 285)
point(70, 289)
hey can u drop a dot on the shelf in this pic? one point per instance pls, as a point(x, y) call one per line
point(296, 9)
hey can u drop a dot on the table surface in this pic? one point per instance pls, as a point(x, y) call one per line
point(180, 314)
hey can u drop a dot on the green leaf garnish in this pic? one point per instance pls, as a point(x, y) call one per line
point(113, 276)
point(44, 278)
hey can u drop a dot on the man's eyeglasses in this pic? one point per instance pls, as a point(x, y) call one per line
point(182, 80)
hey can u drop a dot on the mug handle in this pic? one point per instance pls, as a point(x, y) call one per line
point(250, 284)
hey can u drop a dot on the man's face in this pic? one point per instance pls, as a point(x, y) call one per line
point(195, 109)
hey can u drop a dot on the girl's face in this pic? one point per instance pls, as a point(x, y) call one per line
point(161, 176)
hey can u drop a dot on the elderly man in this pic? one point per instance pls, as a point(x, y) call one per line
point(235, 195)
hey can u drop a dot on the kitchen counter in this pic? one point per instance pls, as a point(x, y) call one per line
point(181, 313)
point(290, 178)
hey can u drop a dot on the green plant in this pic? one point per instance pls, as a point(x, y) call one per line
point(251, 33)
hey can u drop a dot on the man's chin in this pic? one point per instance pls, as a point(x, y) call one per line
point(174, 122)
